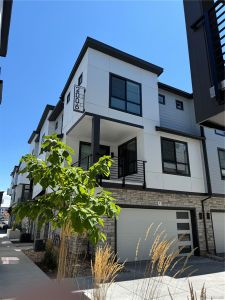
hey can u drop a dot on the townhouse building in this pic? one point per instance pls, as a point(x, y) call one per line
point(167, 171)
point(20, 188)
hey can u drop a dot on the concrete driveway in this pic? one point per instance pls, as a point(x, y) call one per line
point(196, 266)
point(133, 284)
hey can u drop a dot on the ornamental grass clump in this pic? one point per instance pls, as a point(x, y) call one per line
point(104, 268)
point(164, 258)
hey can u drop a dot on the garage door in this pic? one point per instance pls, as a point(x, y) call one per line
point(133, 224)
point(218, 219)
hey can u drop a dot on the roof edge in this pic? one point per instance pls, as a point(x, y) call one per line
point(174, 90)
point(114, 52)
point(32, 136)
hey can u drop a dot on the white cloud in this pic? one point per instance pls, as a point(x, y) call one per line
point(6, 200)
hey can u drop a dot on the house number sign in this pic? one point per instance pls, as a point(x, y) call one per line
point(79, 95)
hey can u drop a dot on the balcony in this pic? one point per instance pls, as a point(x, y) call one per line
point(94, 136)
point(121, 172)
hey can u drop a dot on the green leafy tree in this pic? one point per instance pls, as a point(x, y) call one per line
point(74, 194)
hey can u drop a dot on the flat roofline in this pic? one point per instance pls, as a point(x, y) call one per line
point(179, 133)
point(174, 90)
point(111, 51)
point(32, 136)
point(48, 108)
point(56, 111)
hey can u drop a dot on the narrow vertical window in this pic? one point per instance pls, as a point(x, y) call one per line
point(162, 99)
point(221, 153)
point(179, 105)
point(68, 98)
point(80, 79)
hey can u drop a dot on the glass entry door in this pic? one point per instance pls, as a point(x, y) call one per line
point(85, 154)
point(127, 158)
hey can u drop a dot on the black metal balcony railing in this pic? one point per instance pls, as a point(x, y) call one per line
point(120, 171)
point(213, 21)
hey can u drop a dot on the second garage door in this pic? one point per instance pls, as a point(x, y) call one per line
point(218, 219)
point(133, 224)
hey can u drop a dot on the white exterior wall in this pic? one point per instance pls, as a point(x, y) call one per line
point(34, 146)
point(70, 117)
point(18, 193)
point(22, 178)
point(157, 179)
point(45, 130)
point(171, 117)
point(98, 68)
point(52, 125)
point(97, 95)
point(213, 142)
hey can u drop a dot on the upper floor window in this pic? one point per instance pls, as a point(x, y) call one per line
point(220, 132)
point(221, 153)
point(68, 98)
point(162, 99)
point(56, 125)
point(125, 95)
point(80, 79)
point(179, 105)
point(175, 157)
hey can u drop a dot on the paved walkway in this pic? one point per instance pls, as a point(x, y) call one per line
point(17, 271)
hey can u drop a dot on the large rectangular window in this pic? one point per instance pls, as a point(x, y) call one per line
point(125, 95)
point(127, 158)
point(221, 153)
point(175, 157)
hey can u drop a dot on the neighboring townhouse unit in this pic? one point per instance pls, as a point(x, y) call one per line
point(215, 151)
point(20, 189)
point(113, 104)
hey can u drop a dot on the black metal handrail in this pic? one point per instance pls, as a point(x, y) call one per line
point(121, 170)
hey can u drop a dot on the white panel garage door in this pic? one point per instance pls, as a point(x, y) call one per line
point(133, 224)
point(218, 219)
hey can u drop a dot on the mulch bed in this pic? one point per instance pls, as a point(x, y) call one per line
point(83, 266)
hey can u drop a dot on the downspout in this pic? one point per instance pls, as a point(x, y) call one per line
point(204, 222)
point(209, 187)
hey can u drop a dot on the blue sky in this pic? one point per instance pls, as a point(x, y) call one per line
point(45, 39)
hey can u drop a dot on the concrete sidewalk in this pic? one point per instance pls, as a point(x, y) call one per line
point(17, 271)
point(145, 289)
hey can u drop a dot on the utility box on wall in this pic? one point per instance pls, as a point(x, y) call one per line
point(205, 24)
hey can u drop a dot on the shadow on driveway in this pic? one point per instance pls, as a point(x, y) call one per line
point(196, 266)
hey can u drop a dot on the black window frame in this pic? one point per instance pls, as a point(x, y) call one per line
point(183, 226)
point(56, 125)
point(68, 98)
point(175, 162)
point(111, 75)
point(164, 99)
point(220, 133)
point(218, 150)
point(126, 172)
point(179, 102)
point(80, 79)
